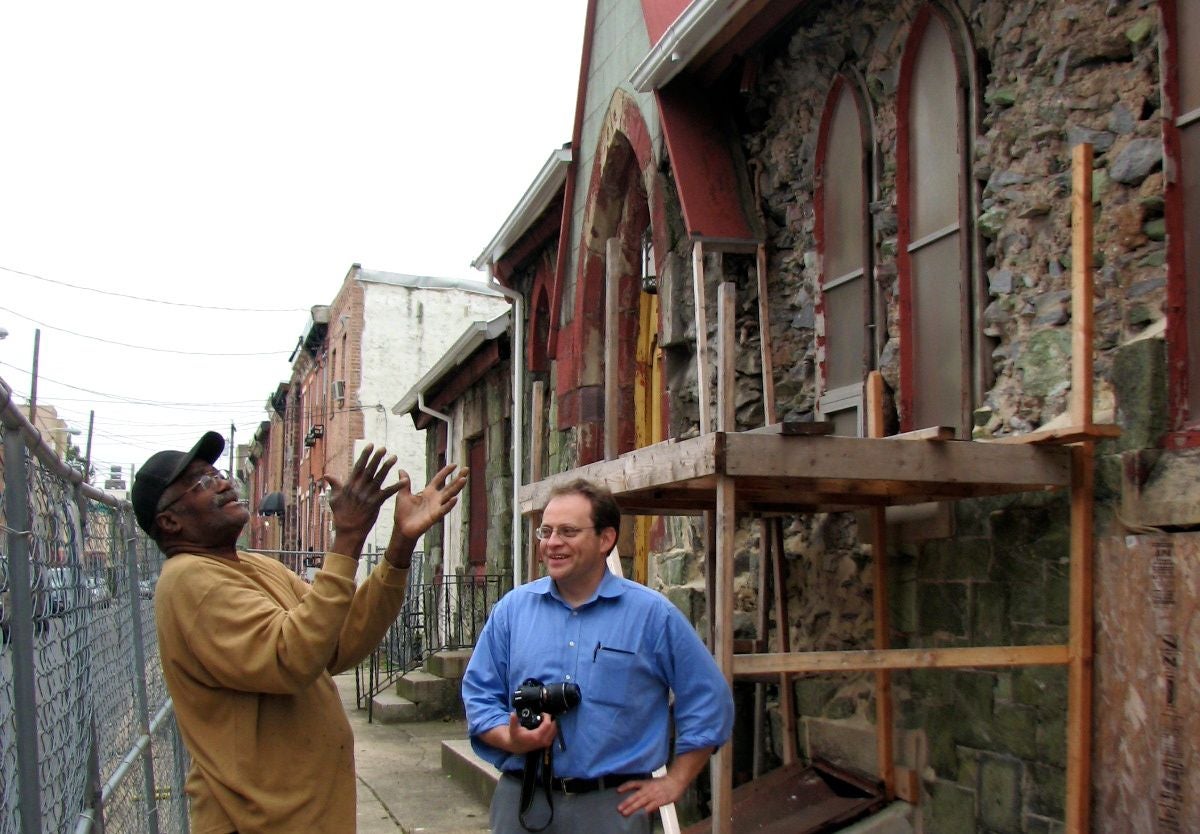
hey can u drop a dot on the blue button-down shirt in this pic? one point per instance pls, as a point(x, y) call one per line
point(625, 648)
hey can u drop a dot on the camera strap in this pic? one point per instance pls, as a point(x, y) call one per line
point(537, 762)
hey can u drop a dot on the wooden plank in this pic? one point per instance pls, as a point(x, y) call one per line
point(884, 707)
point(701, 336)
point(795, 428)
point(1079, 670)
point(726, 526)
point(612, 343)
point(1061, 436)
point(764, 337)
point(1081, 285)
point(726, 354)
point(980, 657)
point(927, 433)
point(761, 629)
point(841, 458)
point(787, 695)
point(908, 785)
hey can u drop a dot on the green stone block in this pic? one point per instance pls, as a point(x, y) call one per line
point(943, 607)
point(943, 752)
point(684, 599)
point(991, 222)
point(1139, 378)
point(989, 615)
point(813, 695)
point(1002, 97)
point(1155, 229)
point(1045, 361)
point(1052, 740)
point(672, 570)
point(1154, 259)
point(840, 708)
point(1099, 186)
point(1027, 602)
point(1004, 686)
point(1140, 30)
point(968, 767)
point(1058, 599)
point(1037, 635)
point(1044, 687)
point(1046, 790)
point(1015, 731)
point(932, 686)
point(951, 809)
point(1000, 795)
point(955, 559)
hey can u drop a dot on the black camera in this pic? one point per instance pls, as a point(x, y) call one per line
point(532, 698)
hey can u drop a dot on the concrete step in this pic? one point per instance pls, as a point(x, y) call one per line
point(468, 770)
point(436, 695)
point(389, 708)
point(448, 664)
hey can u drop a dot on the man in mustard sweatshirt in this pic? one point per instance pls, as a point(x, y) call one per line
point(248, 648)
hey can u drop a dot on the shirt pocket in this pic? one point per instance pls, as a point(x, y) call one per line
point(613, 670)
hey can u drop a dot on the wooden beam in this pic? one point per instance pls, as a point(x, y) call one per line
point(701, 336)
point(726, 356)
point(927, 433)
point(612, 343)
point(980, 657)
point(1079, 669)
point(787, 695)
point(762, 625)
point(884, 708)
point(722, 769)
point(764, 338)
point(1081, 285)
point(1061, 436)
point(795, 428)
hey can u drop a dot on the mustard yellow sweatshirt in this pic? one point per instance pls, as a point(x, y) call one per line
point(247, 650)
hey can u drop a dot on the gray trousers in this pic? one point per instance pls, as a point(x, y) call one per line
point(584, 813)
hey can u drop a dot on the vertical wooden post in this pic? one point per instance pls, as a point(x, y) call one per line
point(764, 338)
point(612, 343)
point(722, 764)
point(761, 629)
point(701, 336)
point(1079, 666)
point(726, 353)
point(787, 695)
point(537, 450)
point(884, 708)
point(1081, 285)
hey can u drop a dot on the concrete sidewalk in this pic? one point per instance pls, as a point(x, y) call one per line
point(401, 787)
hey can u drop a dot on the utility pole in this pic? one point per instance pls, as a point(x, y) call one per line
point(232, 428)
point(87, 456)
point(37, 342)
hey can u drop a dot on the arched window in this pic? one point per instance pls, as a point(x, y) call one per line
point(844, 237)
point(935, 229)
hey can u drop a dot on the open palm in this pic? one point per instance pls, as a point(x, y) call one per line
point(416, 512)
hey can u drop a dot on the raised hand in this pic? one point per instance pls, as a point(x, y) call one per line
point(355, 505)
point(416, 512)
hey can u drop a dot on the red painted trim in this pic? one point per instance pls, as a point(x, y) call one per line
point(539, 320)
point(564, 233)
point(659, 15)
point(1178, 361)
point(904, 215)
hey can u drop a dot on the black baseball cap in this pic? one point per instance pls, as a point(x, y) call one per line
point(161, 469)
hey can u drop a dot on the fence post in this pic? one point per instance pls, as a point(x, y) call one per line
point(20, 534)
point(139, 676)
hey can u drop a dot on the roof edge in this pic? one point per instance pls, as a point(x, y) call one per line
point(541, 192)
point(476, 334)
point(684, 39)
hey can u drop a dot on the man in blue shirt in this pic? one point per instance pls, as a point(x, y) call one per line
point(625, 646)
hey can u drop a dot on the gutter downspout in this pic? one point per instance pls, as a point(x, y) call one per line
point(445, 418)
point(518, 424)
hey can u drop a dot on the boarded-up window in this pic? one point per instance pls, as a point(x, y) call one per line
point(939, 277)
point(478, 520)
point(846, 260)
point(1188, 123)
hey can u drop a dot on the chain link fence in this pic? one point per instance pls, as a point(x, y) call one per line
point(88, 741)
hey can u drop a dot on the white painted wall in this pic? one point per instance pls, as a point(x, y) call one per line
point(406, 330)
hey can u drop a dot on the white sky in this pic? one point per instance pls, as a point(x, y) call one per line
point(245, 154)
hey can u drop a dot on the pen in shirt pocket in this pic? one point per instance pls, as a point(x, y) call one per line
point(596, 651)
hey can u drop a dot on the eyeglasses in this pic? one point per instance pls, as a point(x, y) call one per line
point(565, 532)
point(205, 483)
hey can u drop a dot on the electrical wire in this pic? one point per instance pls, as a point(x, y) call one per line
point(156, 300)
point(133, 400)
point(140, 347)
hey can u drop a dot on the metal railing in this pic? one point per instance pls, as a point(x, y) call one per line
point(88, 740)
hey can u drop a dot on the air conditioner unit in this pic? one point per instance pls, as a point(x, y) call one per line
point(339, 390)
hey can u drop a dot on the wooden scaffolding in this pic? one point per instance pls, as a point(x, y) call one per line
point(790, 468)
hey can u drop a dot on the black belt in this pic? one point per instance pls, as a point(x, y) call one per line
point(568, 785)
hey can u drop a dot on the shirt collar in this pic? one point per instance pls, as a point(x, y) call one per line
point(610, 587)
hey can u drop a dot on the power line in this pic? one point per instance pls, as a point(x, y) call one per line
point(140, 347)
point(156, 300)
point(134, 400)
